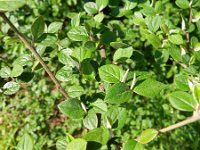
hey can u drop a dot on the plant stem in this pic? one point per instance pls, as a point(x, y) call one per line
point(180, 124)
point(37, 56)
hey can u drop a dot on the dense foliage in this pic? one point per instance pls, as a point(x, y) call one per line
point(130, 68)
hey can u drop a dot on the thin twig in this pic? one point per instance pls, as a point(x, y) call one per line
point(180, 124)
point(37, 56)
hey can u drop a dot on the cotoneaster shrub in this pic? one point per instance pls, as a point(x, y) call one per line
point(125, 73)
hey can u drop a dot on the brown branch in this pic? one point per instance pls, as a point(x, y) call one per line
point(37, 56)
point(195, 117)
point(180, 124)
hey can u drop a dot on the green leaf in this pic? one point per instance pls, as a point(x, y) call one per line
point(111, 73)
point(75, 91)
point(17, 70)
point(99, 135)
point(132, 145)
point(37, 28)
point(117, 117)
point(5, 72)
point(118, 93)
point(11, 88)
point(99, 106)
point(184, 4)
point(176, 39)
point(78, 33)
point(182, 101)
point(91, 120)
point(81, 54)
point(181, 82)
point(101, 4)
point(55, 27)
point(24, 60)
point(75, 21)
point(90, 7)
point(25, 143)
point(147, 136)
point(149, 88)
point(64, 57)
point(61, 144)
point(64, 73)
point(87, 70)
point(153, 22)
point(175, 52)
point(10, 5)
point(117, 45)
point(72, 108)
point(196, 93)
point(123, 53)
point(77, 144)
point(154, 40)
point(99, 17)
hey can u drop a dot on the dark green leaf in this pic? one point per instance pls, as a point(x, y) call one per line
point(37, 28)
point(72, 108)
point(118, 93)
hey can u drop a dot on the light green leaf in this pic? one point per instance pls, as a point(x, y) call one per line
point(101, 4)
point(149, 88)
point(37, 28)
point(99, 17)
point(175, 52)
point(17, 70)
point(25, 143)
point(182, 101)
point(154, 40)
point(176, 39)
point(196, 93)
point(75, 91)
point(55, 27)
point(75, 21)
point(77, 144)
point(10, 5)
point(72, 108)
point(118, 93)
point(78, 33)
point(147, 136)
point(64, 73)
point(123, 53)
point(90, 7)
point(153, 22)
point(99, 106)
point(181, 82)
point(111, 73)
point(117, 45)
point(184, 4)
point(24, 60)
point(11, 88)
point(132, 145)
point(5, 72)
point(61, 144)
point(64, 57)
point(99, 135)
point(91, 120)
point(81, 54)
